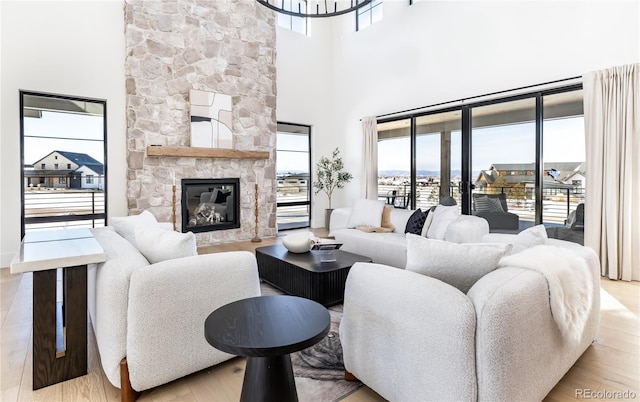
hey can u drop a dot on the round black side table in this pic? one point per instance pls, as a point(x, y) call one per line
point(266, 330)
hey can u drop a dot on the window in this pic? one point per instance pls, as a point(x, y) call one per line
point(369, 14)
point(89, 179)
point(293, 153)
point(493, 146)
point(295, 24)
point(58, 131)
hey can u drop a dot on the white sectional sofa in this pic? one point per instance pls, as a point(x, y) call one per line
point(391, 248)
point(153, 315)
point(411, 337)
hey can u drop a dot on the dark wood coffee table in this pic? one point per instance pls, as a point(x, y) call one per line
point(304, 274)
point(265, 330)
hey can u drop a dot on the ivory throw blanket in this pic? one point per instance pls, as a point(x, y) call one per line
point(570, 284)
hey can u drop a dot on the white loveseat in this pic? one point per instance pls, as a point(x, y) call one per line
point(391, 248)
point(412, 337)
point(153, 314)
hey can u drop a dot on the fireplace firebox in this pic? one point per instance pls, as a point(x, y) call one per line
point(210, 204)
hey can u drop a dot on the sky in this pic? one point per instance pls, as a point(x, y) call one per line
point(563, 142)
point(80, 133)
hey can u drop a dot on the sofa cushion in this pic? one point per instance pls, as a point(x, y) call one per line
point(416, 222)
point(443, 216)
point(460, 265)
point(125, 226)
point(399, 218)
point(366, 213)
point(161, 245)
point(383, 248)
point(533, 236)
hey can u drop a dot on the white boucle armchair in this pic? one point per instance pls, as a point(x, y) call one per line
point(148, 319)
point(411, 337)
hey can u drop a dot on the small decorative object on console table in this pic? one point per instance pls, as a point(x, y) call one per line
point(330, 176)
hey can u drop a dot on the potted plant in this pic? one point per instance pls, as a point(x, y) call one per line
point(329, 175)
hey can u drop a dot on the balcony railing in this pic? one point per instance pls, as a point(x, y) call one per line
point(55, 209)
point(557, 203)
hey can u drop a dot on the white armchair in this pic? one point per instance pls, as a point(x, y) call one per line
point(148, 319)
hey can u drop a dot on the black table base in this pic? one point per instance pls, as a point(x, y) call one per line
point(269, 379)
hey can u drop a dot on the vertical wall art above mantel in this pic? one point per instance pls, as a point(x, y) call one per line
point(211, 120)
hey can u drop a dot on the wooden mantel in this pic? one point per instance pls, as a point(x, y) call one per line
point(194, 152)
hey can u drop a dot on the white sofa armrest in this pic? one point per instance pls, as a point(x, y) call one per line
point(168, 304)
point(467, 229)
point(399, 325)
point(339, 219)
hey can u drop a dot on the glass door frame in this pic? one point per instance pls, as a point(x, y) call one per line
point(94, 216)
point(466, 110)
point(307, 203)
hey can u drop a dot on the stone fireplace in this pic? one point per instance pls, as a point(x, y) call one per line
point(227, 47)
point(210, 204)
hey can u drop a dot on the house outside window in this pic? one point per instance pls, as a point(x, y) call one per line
point(55, 165)
point(89, 179)
point(62, 180)
point(43, 166)
point(369, 14)
point(68, 166)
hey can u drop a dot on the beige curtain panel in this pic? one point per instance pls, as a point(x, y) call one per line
point(612, 200)
point(370, 157)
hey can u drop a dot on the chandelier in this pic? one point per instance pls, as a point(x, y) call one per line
point(314, 8)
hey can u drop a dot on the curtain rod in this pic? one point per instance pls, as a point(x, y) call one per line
point(476, 97)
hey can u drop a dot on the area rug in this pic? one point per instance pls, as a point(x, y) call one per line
point(319, 370)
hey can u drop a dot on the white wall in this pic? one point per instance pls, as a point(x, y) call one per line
point(305, 92)
point(61, 47)
point(437, 51)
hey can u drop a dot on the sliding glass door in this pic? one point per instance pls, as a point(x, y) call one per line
point(518, 161)
point(394, 167)
point(503, 163)
point(438, 158)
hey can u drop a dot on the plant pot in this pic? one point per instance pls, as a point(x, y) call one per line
point(327, 217)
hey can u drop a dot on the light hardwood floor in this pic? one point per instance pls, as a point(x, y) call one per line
point(611, 364)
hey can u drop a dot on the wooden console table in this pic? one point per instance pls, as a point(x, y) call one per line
point(42, 253)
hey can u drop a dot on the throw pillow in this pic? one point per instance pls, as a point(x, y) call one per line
point(416, 222)
point(443, 216)
point(533, 236)
point(484, 203)
point(427, 223)
point(494, 204)
point(459, 265)
point(160, 245)
point(366, 213)
point(386, 218)
point(125, 226)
